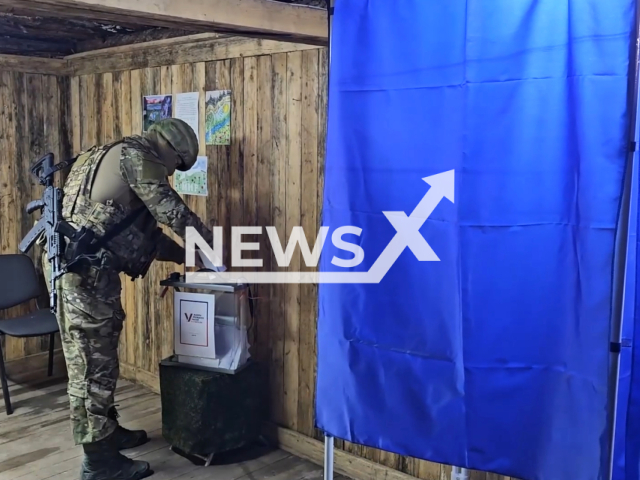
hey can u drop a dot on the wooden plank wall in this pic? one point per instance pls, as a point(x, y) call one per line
point(34, 120)
point(272, 174)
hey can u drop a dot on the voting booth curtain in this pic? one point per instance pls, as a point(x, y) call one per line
point(478, 149)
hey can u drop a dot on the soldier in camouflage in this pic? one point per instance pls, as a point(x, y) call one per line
point(108, 185)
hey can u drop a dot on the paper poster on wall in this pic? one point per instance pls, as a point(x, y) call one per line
point(194, 180)
point(187, 110)
point(194, 320)
point(218, 117)
point(155, 108)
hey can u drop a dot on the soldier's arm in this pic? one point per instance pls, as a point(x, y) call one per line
point(169, 250)
point(147, 177)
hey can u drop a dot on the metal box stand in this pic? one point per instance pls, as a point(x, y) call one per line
point(205, 412)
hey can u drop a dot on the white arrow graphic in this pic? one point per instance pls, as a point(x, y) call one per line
point(408, 228)
point(407, 235)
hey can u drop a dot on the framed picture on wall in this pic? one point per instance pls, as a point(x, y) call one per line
point(155, 108)
point(218, 117)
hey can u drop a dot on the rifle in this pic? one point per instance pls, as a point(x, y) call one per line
point(51, 223)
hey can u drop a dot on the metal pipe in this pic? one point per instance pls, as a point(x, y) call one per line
point(620, 272)
point(458, 473)
point(328, 457)
point(328, 440)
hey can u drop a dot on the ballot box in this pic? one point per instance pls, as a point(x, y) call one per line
point(214, 395)
point(211, 324)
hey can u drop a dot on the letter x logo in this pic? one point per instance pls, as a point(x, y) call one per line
point(408, 227)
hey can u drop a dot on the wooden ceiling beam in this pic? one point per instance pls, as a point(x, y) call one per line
point(143, 36)
point(204, 47)
point(264, 18)
point(45, 66)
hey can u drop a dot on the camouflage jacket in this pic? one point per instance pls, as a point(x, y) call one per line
point(133, 250)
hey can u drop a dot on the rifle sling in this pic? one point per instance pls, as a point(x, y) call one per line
point(62, 165)
point(67, 163)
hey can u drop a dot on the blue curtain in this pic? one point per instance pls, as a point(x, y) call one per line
point(495, 357)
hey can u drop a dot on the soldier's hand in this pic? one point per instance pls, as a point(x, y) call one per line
point(199, 263)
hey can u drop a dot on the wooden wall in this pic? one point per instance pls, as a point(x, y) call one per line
point(270, 175)
point(33, 121)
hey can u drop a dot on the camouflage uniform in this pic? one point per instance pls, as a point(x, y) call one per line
point(90, 312)
point(90, 317)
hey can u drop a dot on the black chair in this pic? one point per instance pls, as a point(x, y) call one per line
point(19, 283)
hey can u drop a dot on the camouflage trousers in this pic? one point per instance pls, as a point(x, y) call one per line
point(90, 317)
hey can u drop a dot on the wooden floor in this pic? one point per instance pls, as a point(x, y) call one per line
point(36, 442)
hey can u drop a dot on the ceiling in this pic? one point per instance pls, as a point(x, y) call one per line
point(56, 38)
point(31, 34)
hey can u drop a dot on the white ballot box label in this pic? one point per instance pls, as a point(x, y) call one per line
point(194, 324)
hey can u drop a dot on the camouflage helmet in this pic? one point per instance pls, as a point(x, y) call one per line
point(182, 139)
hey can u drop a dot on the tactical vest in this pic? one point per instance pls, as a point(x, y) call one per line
point(131, 251)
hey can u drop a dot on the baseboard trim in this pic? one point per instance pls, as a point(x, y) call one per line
point(345, 463)
point(141, 377)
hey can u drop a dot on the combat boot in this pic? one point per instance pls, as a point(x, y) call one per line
point(124, 438)
point(103, 461)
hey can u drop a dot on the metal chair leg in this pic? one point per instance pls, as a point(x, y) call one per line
point(52, 342)
point(5, 387)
